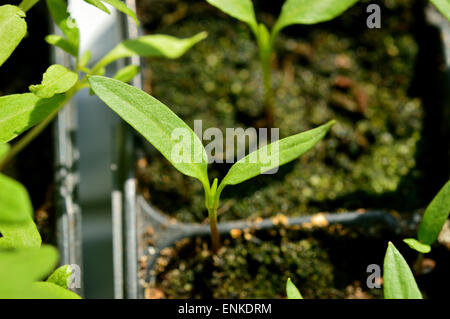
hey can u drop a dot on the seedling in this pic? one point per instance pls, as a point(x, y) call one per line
point(293, 12)
point(36, 109)
point(156, 122)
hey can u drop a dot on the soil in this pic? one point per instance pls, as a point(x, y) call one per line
point(382, 86)
point(33, 167)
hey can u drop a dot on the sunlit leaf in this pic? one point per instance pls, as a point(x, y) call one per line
point(435, 216)
point(15, 205)
point(48, 290)
point(156, 45)
point(292, 291)
point(58, 11)
point(26, 5)
point(12, 30)
point(61, 276)
point(57, 79)
point(99, 5)
point(398, 280)
point(119, 5)
point(156, 122)
point(240, 9)
point(62, 43)
point(443, 6)
point(417, 245)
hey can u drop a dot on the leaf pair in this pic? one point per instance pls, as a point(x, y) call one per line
point(179, 144)
point(432, 221)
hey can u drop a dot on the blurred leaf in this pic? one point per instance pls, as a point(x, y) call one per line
point(119, 5)
point(273, 155)
point(57, 79)
point(47, 290)
point(19, 112)
point(398, 280)
point(417, 245)
point(62, 43)
point(12, 30)
point(15, 205)
point(310, 12)
point(58, 11)
point(99, 5)
point(156, 45)
point(61, 276)
point(435, 216)
point(26, 5)
point(156, 122)
point(85, 58)
point(4, 149)
point(292, 291)
point(443, 6)
point(127, 73)
point(239, 9)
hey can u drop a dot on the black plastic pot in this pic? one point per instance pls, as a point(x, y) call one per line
point(132, 213)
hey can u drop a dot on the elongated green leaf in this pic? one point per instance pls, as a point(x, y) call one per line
point(62, 43)
point(57, 79)
point(4, 149)
point(58, 11)
point(20, 235)
point(15, 205)
point(157, 123)
point(26, 5)
point(310, 12)
point(417, 245)
point(119, 5)
point(292, 291)
point(398, 280)
point(156, 45)
point(12, 30)
point(443, 6)
point(19, 112)
point(61, 276)
point(99, 5)
point(239, 9)
point(273, 155)
point(127, 73)
point(85, 58)
point(435, 216)
point(47, 290)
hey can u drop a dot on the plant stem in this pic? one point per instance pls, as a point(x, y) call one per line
point(418, 264)
point(214, 231)
point(36, 130)
point(268, 89)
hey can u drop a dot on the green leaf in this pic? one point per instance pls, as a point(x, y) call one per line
point(85, 58)
point(99, 5)
point(62, 43)
point(443, 6)
point(26, 5)
point(20, 235)
point(47, 290)
point(310, 12)
point(435, 216)
point(12, 30)
point(19, 269)
point(157, 123)
point(273, 155)
point(15, 204)
point(292, 291)
point(399, 282)
point(4, 149)
point(417, 245)
point(57, 79)
point(156, 45)
point(239, 9)
point(58, 11)
point(119, 5)
point(19, 112)
point(61, 276)
point(127, 73)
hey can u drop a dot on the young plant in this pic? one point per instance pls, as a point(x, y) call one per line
point(293, 12)
point(157, 123)
point(33, 111)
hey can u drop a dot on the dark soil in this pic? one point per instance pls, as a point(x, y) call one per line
point(384, 89)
